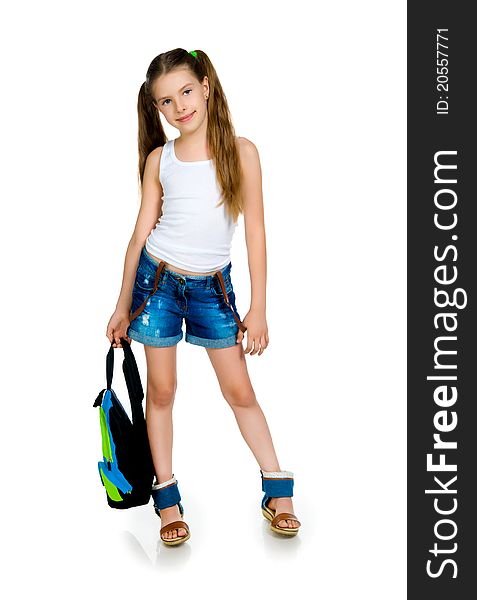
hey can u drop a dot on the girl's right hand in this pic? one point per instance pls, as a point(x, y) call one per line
point(117, 328)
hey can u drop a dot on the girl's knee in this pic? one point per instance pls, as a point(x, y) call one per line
point(240, 398)
point(162, 396)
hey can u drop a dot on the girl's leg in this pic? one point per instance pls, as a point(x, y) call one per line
point(231, 369)
point(161, 388)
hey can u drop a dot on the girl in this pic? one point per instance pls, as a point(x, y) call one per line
point(177, 266)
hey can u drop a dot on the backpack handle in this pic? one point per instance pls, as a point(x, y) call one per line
point(130, 370)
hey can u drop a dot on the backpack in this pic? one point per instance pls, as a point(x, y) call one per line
point(127, 470)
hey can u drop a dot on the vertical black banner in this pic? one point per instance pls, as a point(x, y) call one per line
point(442, 244)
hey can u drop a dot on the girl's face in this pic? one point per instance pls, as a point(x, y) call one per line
point(179, 94)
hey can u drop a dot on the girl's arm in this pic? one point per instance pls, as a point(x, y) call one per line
point(149, 213)
point(254, 224)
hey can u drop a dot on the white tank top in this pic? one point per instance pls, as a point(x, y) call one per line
point(192, 233)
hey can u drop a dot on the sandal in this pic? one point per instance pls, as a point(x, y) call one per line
point(166, 494)
point(277, 484)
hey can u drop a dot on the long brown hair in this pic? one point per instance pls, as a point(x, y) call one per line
point(220, 131)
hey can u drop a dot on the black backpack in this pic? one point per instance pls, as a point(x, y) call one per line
point(127, 470)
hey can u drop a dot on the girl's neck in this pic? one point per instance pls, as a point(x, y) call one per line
point(192, 147)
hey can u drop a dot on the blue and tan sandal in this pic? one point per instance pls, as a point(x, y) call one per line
point(167, 494)
point(277, 484)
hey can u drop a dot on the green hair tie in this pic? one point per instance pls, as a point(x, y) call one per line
point(193, 52)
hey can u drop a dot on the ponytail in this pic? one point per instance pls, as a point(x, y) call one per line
point(150, 131)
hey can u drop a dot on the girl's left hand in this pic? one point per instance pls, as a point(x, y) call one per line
point(257, 332)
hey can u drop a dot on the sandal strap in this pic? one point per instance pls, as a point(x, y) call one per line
point(283, 517)
point(277, 474)
point(159, 486)
point(175, 525)
point(166, 494)
point(277, 484)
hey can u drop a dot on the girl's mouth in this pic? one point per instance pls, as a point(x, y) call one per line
point(188, 118)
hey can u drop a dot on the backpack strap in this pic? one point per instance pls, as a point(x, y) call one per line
point(130, 371)
point(131, 375)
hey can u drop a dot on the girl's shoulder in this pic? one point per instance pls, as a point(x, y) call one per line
point(153, 159)
point(153, 162)
point(244, 142)
point(246, 147)
point(247, 150)
point(156, 153)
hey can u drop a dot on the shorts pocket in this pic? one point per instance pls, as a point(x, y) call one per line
point(144, 279)
point(217, 288)
point(138, 297)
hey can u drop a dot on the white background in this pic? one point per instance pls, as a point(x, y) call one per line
point(319, 87)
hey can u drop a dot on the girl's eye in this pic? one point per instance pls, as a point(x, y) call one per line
point(188, 90)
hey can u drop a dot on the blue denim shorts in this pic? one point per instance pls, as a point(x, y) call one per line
point(196, 298)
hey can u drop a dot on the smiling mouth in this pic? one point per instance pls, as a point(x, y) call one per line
point(186, 118)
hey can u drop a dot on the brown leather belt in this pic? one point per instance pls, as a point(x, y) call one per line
point(217, 274)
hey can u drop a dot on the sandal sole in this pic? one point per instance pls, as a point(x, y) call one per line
point(176, 541)
point(282, 531)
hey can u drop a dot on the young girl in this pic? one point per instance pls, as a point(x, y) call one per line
point(177, 266)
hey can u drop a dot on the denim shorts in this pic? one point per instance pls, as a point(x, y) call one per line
point(196, 298)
